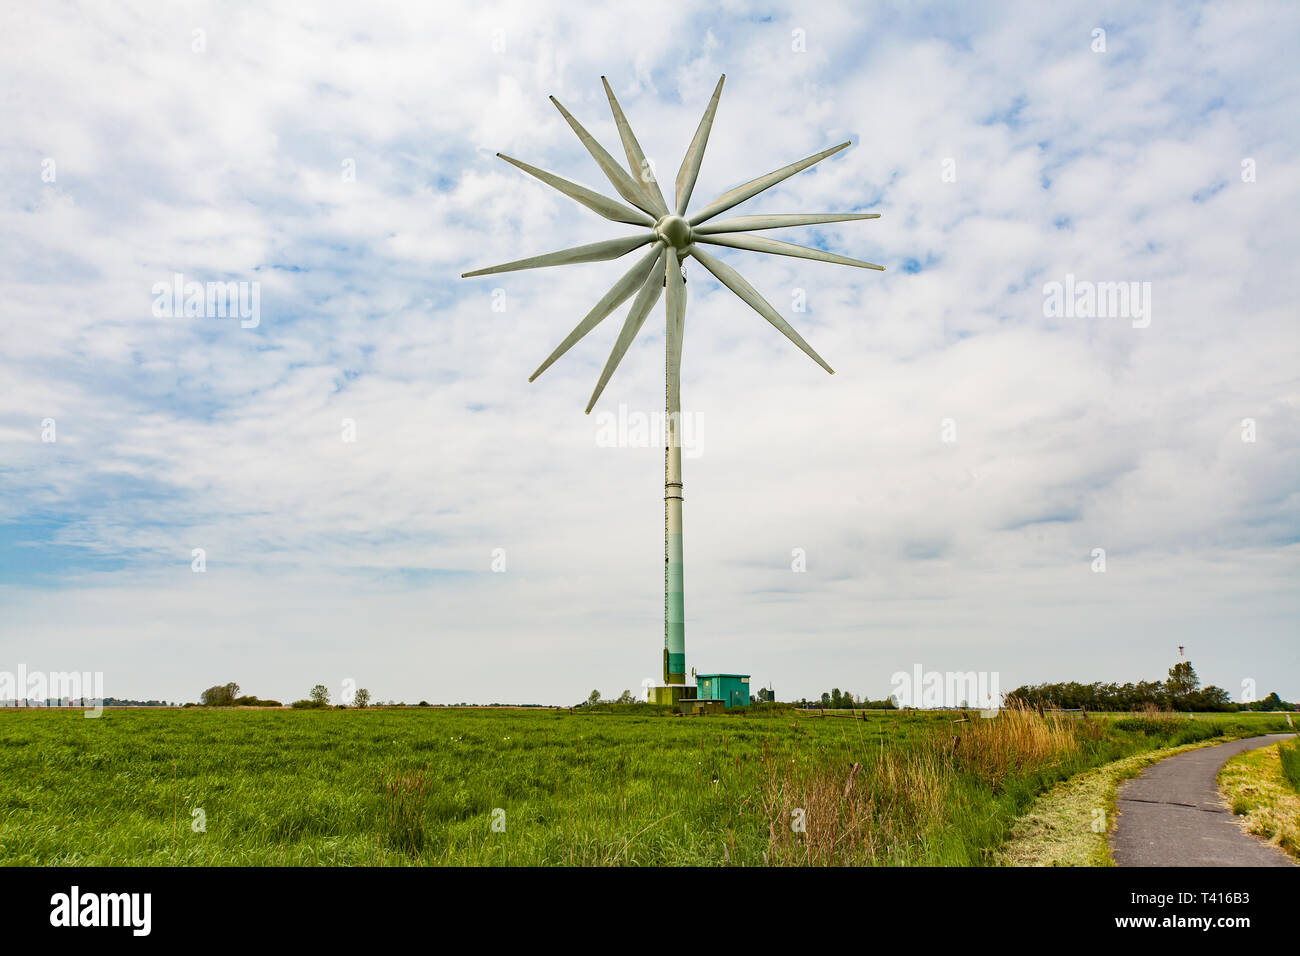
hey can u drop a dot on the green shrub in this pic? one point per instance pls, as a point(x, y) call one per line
point(1153, 725)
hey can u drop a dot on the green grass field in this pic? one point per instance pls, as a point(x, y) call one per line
point(423, 786)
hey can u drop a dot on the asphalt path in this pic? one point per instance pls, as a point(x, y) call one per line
point(1172, 814)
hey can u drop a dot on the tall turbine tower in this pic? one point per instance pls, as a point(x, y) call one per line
point(673, 236)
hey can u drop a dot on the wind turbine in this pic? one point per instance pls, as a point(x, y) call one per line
point(673, 236)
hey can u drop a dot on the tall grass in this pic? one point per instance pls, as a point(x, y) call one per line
point(873, 812)
point(1289, 751)
point(950, 798)
point(896, 804)
point(1019, 739)
point(406, 797)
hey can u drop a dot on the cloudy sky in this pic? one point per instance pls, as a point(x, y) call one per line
point(948, 488)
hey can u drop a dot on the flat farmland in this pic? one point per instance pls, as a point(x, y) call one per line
point(444, 786)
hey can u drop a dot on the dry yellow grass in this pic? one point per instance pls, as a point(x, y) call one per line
point(1017, 739)
point(1253, 785)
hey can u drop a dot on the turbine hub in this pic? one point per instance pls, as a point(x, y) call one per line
point(675, 231)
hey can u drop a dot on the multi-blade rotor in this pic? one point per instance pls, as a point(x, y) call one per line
point(673, 235)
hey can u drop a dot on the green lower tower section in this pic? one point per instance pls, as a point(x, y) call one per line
point(674, 610)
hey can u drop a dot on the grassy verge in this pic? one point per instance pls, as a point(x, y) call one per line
point(1070, 825)
point(1289, 752)
point(954, 799)
point(1259, 792)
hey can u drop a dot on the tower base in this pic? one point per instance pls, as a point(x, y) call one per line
point(671, 695)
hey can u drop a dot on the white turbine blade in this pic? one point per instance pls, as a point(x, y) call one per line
point(778, 248)
point(747, 223)
point(603, 205)
point(734, 281)
point(627, 186)
point(755, 186)
point(635, 157)
point(593, 252)
point(645, 301)
point(690, 170)
point(676, 319)
point(611, 300)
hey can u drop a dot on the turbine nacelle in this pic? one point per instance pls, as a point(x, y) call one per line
point(675, 231)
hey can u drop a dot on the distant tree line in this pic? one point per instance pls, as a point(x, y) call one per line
point(119, 702)
point(835, 699)
point(1181, 691)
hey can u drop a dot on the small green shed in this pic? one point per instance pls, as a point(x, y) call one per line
point(731, 689)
